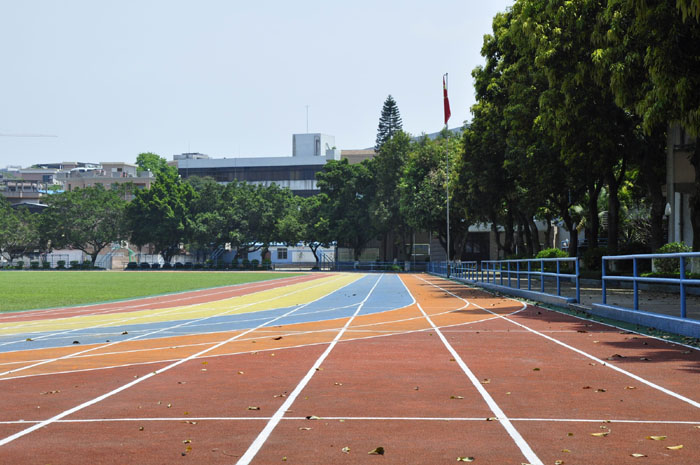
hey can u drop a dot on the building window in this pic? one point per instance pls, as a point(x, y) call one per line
point(281, 254)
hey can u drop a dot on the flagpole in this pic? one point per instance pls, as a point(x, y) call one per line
point(447, 182)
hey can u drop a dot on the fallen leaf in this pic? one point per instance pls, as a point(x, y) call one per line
point(645, 359)
point(558, 462)
point(456, 397)
point(581, 331)
point(313, 417)
point(465, 459)
point(630, 387)
point(140, 428)
point(240, 372)
point(205, 363)
point(636, 456)
point(600, 390)
point(586, 387)
point(281, 395)
point(284, 459)
point(569, 434)
point(277, 338)
point(491, 419)
point(170, 405)
point(187, 441)
point(535, 369)
point(377, 451)
point(253, 408)
point(188, 449)
point(302, 428)
point(125, 332)
point(656, 438)
point(615, 356)
point(566, 450)
point(76, 342)
point(486, 381)
point(345, 449)
point(29, 339)
point(600, 435)
point(679, 446)
point(338, 384)
point(452, 360)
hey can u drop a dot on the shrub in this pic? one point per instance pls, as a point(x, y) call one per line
point(46, 265)
point(155, 266)
point(179, 266)
point(220, 265)
point(167, 266)
point(593, 258)
point(246, 263)
point(189, 265)
point(254, 263)
point(209, 264)
point(198, 266)
point(145, 266)
point(86, 265)
point(61, 264)
point(267, 264)
point(554, 253)
point(19, 265)
point(74, 264)
point(234, 263)
point(34, 265)
point(671, 265)
point(132, 266)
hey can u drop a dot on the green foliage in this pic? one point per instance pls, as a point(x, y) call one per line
point(671, 265)
point(87, 219)
point(254, 263)
point(389, 122)
point(61, 264)
point(161, 215)
point(551, 253)
point(19, 265)
point(155, 164)
point(18, 230)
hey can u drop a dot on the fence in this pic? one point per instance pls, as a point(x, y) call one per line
point(512, 273)
point(682, 282)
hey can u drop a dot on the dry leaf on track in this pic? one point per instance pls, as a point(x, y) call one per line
point(378, 451)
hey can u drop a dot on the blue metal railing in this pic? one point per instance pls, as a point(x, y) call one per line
point(510, 273)
point(635, 279)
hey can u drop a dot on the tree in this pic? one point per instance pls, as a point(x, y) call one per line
point(87, 219)
point(18, 230)
point(154, 163)
point(389, 122)
point(350, 189)
point(387, 167)
point(161, 215)
point(316, 225)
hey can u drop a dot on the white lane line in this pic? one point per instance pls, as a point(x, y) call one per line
point(524, 447)
point(141, 302)
point(274, 421)
point(586, 354)
point(417, 419)
point(103, 346)
point(381, 334)
point(151, 374)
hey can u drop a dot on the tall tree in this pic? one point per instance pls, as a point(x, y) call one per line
point(161, 215)
point(316, 224)
point(389, 122)
point(18, 230)
point(350, 189)
point(87, 219)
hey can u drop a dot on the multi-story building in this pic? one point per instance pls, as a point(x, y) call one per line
point(310, 152)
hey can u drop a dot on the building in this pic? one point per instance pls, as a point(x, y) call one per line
point(680, 184)
point(109, 175)
point(310, 152)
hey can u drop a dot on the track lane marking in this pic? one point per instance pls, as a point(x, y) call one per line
point(262, 437)
point(515, 435)
point(77, 408)
point(179, 325)
point(585, 354)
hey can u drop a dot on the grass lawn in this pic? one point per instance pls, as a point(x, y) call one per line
point(24, 290)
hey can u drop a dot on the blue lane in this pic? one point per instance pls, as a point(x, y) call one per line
point(389, 294)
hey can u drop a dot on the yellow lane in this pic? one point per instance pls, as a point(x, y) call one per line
point(280, 297)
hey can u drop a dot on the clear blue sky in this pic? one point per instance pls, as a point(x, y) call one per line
point(226, 78)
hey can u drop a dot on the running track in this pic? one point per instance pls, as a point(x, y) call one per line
point(324, 368)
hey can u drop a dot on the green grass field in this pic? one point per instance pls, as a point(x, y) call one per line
point(24, 290)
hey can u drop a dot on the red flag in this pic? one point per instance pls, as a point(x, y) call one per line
point(447, 101)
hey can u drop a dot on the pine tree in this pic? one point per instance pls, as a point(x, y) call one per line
point(389, 122)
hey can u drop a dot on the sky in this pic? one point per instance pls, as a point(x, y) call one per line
point(111, 80)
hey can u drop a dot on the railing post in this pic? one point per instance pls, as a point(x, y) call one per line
point(602, 280)
point(529, 275)
point(500, 272)
point(578, 282)
point(542, 276)
point(635, 283)
point(517, 272)
point(558, 278)
point(509, 274)
point(683, 315)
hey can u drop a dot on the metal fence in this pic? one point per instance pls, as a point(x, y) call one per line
point(515, 273)
point(681, 283)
